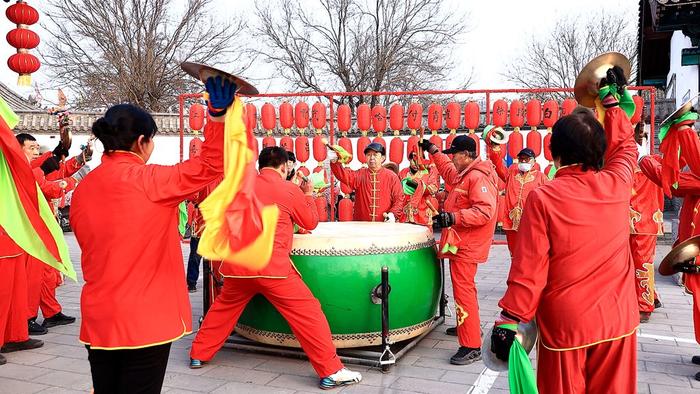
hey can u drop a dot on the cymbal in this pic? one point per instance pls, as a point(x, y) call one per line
point(586, 85)
point(526, 335)
point(680, 111)
point(202, 72)
point(495, 134)
point(685, 250)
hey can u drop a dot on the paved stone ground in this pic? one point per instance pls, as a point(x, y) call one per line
point(61, 366)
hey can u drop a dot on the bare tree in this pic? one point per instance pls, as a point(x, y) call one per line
point(359, 45)
point(556, 59)
point(112, 51)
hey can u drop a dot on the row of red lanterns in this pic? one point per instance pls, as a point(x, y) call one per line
point(23, 39)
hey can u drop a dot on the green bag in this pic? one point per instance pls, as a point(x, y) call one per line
point(521, 377)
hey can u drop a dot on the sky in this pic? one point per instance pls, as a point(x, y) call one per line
point(498, 34)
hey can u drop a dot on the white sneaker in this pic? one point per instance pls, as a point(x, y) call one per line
point(344, 377)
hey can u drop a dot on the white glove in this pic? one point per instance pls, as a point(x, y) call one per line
point(80, 174)
point(332, 156)
point(389, 218)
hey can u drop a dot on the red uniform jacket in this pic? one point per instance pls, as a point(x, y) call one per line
point(294, 207)
point(646, 217)
point(376, 193)
point(52, 188)
point(420, 207)
point(473, 203)
point(572, 266)
point(66, 168)
point(125, 218)
point(518, 186)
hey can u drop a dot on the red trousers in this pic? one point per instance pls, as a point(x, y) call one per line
point(608, 367)
point(643, 249)
point(692, 282)
point(466, 303)
point(13, 299)
point(291, 297)
point(511, 238)
point(42, 281)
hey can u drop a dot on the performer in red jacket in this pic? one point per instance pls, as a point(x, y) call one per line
point(420, 183)
point(646, 224)
point(378, 193)
point(572, 268)
point(520, 179)
point(279, 281)
point(468, 223)
point(134, 303)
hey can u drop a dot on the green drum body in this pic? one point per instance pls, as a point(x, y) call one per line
point(341, 264)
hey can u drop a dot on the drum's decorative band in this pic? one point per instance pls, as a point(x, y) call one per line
point(372, 249)
point(339, 340)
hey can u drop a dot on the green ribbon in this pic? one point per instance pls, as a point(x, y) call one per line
point(552, 172)
point(182, 218)
point(690, 115)
point(318, 180)
point(625, 100)
point(408, 189)
point(521, 377)
point(449, 249)
point(10, 117)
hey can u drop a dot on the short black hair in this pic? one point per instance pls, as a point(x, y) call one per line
point(122, 125)
point(272, 157)
point(21, 137)
point(291, 157)
point(579, 138)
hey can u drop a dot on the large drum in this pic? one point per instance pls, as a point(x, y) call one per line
point(341, 263)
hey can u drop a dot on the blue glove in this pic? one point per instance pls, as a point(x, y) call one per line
point(221, 93)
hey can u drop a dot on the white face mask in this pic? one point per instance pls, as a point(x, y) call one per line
point(524, 167)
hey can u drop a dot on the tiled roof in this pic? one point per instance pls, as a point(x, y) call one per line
point(15, 101)
point(41, 122)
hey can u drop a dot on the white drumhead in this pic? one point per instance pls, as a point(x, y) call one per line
point(358, 238)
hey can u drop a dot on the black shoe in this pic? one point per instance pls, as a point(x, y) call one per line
point(58, 319)
point(697, 376)
point(695, 360)
point(452, 331)
point(17, 346)
point(644, 317)
point(192, 288)
point(658, 304)
point(36, 329)
point(3, 360)
point(465, 356)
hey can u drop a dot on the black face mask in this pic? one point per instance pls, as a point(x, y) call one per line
point(291, 174)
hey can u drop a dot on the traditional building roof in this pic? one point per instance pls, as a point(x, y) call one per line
point(41, 122)
point(15, 101)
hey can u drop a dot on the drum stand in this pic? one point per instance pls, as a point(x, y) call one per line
point(384, 356)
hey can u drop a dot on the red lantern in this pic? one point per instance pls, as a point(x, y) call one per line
point(550, 113)
point(362, 143)
point(471, 116)
point(534, 113)
point(517, 114)
point(286, 116)
point(436, 140)
point(343, 114)
point(379, 119)
point(23, 64)
point(415, 117)
point(195, 147)
point(548, 169)
point(515, 143)
point(452, 116)
point(268, 117)
point(435, 117)
point(22, 14)
point(380, 140)
point(287, 143)
point(449, 139)
point(196, 117)
point(320, 150)
point(269, 141)
point(301, 115)
point(396, 118)
point(346, 144)
point(23, 38)
point(546, 145)
point(305, 171)
point(500, 113)
point(534, 141)
point(363, 118)
point(345, 207)
point(301, 148)
point(255, 147)
point(318, 116)
point(411, 145)
point(568, 106)
point(638, 109)
point(396, 150)
point(251, 116)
